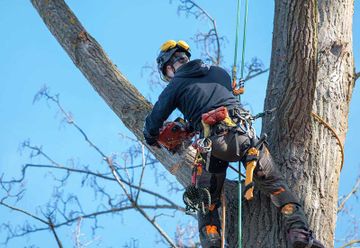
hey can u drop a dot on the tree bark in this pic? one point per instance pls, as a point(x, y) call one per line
point(311, 70)
point(316, 74)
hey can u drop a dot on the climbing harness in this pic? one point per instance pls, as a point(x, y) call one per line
point(196, 199)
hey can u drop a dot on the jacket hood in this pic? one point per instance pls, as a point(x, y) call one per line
point(194, 68)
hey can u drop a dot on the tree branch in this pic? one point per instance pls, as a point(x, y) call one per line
point(110, 163)
point(188, 6)
point(352, 242)
point(347, 197)
point(51, 225)
point(142, 171)
point(99, 175)
point(142, 212)
point(24, 212)
point(48, 223)
point(124, 99)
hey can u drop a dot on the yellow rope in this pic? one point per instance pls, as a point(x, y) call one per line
point(319, 119)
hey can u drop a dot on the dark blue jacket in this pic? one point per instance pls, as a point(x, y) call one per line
point(195, 89)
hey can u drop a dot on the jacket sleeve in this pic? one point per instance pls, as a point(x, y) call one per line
point(164, 106)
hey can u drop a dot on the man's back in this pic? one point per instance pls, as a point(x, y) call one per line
point(195, 89)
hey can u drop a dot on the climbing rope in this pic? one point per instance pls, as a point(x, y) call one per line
point(238, 89)
point(319, 119)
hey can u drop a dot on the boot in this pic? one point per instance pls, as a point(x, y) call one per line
point(209, 228)
point(210, 237)
point(302, 238)
point(298, 233)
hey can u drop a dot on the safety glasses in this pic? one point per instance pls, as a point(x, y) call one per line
point(170, 44)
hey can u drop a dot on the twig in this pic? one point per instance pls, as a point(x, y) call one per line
point(110, 163)
point(48, 223)
point(142, 171)
point(248, 77)
point(352, 242)
point(51, 225)
point(24, 212)
point(143, 213)
point(188, 6)
point(113, 210)
point(347, 197)
point(99, 175)
point(78, 233)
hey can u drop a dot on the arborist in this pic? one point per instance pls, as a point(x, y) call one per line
point(203, 94)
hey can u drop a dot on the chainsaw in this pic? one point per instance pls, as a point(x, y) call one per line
point(173, 134)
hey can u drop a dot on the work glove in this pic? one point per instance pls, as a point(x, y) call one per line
point(150, 139)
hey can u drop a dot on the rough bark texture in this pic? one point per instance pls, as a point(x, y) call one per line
point(300, 83)
point(311, 70)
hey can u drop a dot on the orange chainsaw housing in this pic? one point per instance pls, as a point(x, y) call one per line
point(172, 134)
point(214, 116)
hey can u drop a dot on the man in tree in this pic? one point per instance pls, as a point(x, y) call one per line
point(197, 89)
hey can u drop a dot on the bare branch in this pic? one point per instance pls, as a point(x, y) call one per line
point(110, 163)
point(157, 227)
point(254, 68)
point(70, 119)
point(212, 37)
point(51, 225)
point(99, 175)
point(142, 171)
point(113, 210)
point(348, 196)
point(352, 242)
point(24, 212)
point(248, 77)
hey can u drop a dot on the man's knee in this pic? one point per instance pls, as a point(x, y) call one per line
point(281, 197)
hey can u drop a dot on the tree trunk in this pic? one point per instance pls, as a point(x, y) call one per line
point(306, 151)
point(311, 70)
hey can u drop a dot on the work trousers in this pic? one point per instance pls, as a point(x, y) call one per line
point(231, 146)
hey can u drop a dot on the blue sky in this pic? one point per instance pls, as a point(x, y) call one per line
point(130, 32)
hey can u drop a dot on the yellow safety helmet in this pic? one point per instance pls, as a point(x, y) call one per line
point(167, 50)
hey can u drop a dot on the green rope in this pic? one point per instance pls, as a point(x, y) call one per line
point(234, 80)
point(244, 40)
point(236, 39)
